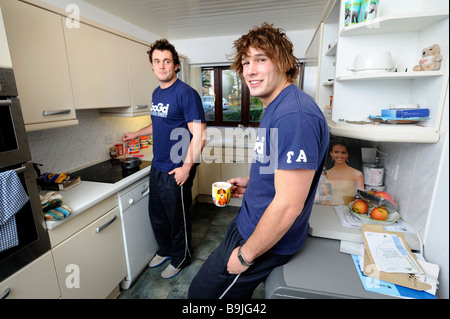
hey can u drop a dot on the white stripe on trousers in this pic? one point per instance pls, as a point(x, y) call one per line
point(186, 251)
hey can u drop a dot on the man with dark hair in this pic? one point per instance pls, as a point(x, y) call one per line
point(178, 125)
point(290, 153)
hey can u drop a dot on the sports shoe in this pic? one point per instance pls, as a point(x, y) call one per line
point(158, 260)
point(170, 272)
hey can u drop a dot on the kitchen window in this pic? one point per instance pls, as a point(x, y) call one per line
point(226, 99)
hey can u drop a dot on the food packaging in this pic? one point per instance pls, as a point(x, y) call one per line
point(352, 9)
point(143, 141)
point(369, 10)
point(133, 146)
point(119, 149)
point(405, 113)
point(373, 175)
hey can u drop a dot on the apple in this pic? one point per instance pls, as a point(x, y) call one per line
point(360, 206)
point(379, 213)
point(386, 196)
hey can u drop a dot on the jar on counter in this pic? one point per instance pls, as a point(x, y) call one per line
point(143, 140)
point(133, 146)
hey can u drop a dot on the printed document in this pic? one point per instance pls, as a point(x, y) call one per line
point(390, 255)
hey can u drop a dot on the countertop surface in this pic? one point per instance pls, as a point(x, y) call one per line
point(87, 194)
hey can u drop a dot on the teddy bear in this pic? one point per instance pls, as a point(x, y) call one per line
point(431, 59)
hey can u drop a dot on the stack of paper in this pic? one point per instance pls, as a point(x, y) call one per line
point(387, 258)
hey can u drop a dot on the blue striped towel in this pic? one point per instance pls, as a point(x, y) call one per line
point(12, 198)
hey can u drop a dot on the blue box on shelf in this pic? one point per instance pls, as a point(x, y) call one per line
point(405, 113)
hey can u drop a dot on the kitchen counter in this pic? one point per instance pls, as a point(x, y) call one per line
point(87, 194)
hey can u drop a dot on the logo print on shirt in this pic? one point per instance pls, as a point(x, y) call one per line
point(160, 110)
point(301, 157)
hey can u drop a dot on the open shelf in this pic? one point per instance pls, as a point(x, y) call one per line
point(384, 132)
point(397, 23)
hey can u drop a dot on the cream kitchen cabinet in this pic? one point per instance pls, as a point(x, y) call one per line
point(38, 54)
point(88, 252)
point(217, 165)
point(35, 281)
point(98, 67)
point(209, 171)
point(142, 82)
point(404, 28)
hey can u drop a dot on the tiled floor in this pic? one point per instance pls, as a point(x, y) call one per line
point(209, 225)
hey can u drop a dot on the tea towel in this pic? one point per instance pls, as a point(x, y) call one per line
point(12, 198)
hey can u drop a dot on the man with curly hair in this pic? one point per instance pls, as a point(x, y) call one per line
point(290, 153)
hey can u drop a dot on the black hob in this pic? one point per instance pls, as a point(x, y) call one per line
point(109, 171)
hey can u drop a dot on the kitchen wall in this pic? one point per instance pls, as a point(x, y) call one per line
point(421, 187)
point(65, 149)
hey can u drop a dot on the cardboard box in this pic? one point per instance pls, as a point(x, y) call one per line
point(405, 113)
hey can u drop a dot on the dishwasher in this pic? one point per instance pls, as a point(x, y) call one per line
point(138, 237)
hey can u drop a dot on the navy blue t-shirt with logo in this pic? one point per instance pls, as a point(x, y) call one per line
point(293, 134)
point(172, 108)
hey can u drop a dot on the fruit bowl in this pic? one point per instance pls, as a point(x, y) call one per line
point(379, 201)
point(392, 217)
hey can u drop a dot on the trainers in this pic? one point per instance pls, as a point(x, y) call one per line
point(158, 260)
point(170, 272)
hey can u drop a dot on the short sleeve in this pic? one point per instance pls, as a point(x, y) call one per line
point(298, 141)
point(193, 108)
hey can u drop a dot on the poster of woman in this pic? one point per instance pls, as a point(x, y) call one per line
point(342, 176)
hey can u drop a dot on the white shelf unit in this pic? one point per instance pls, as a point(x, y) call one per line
point(358, 95)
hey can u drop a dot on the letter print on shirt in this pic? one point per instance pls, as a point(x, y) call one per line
point(160, 110)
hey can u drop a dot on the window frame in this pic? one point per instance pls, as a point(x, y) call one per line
point(245, 97)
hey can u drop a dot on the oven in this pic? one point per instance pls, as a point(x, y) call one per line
point(23, 233)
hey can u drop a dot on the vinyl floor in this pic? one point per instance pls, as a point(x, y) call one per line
point(209, 225)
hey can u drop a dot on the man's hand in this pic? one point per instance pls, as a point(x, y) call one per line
point(234, 266)
point(181, 174)
point(238, 186)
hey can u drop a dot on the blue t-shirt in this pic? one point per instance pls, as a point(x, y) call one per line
point(293, 134)
point(172, 108)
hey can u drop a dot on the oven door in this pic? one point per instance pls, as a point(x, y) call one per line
point(13, 138)
point(33, 239)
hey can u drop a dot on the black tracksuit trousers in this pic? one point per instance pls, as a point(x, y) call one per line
point(169, 210)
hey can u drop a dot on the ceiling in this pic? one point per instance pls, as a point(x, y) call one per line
point(184, 19)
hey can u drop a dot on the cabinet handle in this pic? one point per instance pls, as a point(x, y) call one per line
point(48, 113)
point(99, 229)
point(5, 293)
point(5, 103)
point(141, 106)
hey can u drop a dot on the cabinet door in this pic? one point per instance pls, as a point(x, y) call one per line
point(209, 170)
point(35, 281)
point(38, 54)
point(142, 79)
point(234, 167)
point(91, 263)
point(98, 67)
point(142, 82)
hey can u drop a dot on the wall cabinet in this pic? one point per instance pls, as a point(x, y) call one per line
point(404, 28)
point(142, 82)
point(98, 67)
point(38, 55)
point(35, 281)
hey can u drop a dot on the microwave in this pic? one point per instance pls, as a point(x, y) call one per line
point(14, 146)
